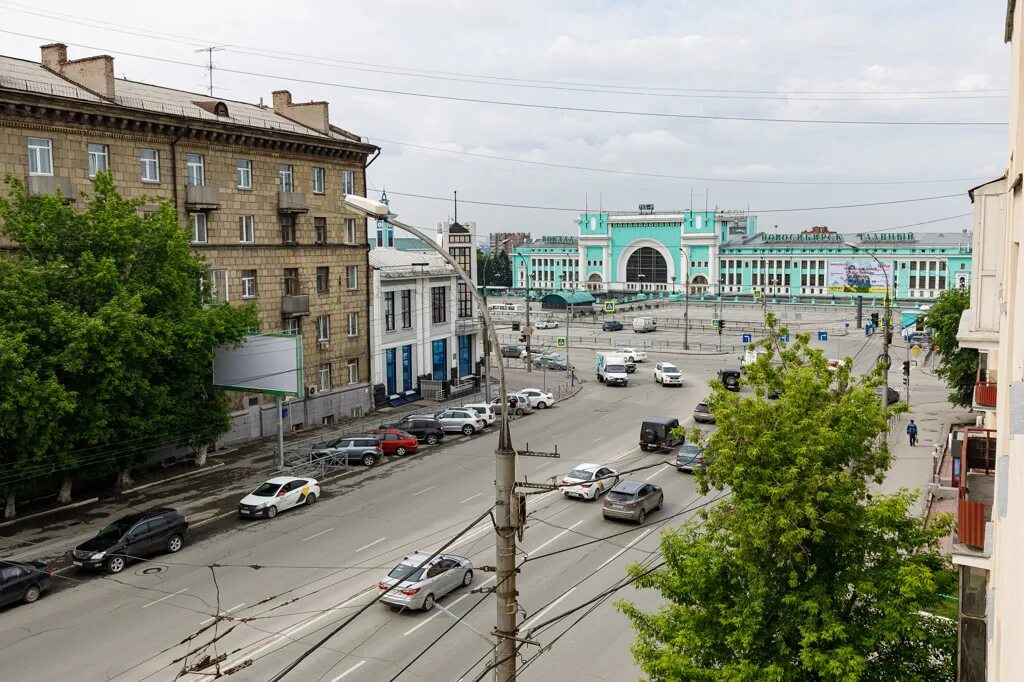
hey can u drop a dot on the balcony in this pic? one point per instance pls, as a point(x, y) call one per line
point(976, 483)
point(202, 198)
point(985, 390)
point(50, 184)
point(295, 305)
point(291, 202)
point(467, 325)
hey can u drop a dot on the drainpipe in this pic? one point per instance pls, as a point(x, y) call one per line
point(174, 168)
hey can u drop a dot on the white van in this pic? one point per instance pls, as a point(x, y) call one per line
point(611, 369)
point(505, 308)
point(750, 357)
point(642, 325)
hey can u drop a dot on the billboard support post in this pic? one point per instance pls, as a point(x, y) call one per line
point(279, 457)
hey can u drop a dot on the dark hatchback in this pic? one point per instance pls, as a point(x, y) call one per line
point(690, 457)
point(23, 581)
point(426, 429)
point(611, 326)
point(131, 537)
point(702, 414)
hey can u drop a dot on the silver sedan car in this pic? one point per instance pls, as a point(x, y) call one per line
point(419, 588)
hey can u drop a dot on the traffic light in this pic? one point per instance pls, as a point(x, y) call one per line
point(721, 326)
point(874, 320)
point(522, 338)
point(516, 326)
point(906, 368)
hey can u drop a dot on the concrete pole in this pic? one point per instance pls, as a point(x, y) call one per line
point(279, 458)
point(529, 332)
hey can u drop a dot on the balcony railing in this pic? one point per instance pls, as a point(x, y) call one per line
point(985, 389)
point(291, 202)
point(295, 305)
point(49, 184)
point(974, 502)
point(202, 197)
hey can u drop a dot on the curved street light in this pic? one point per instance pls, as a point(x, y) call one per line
point(886, 326)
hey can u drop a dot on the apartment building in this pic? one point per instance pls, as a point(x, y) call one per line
point(504, 242)
point(258, 188)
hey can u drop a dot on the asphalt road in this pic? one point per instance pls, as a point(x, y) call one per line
point(288, 581)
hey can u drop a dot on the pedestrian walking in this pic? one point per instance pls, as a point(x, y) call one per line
point(912, 432)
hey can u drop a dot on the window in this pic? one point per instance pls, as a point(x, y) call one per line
point(439, 304)
point(292, 325)
point(318, 180)
point(323, 328)
point(287, 228)
point(323, 280)
point(350, 231)
point(286, 175)
point(198, 223)
point(352, 277)
point(243, 173)
point(246, 229)
point(40, 156)
point(324, 375)
point(291, 282)
point(217, 281)
point(196, 170)
point(320, 230)
point(353, 371)
point(99, 159)
point(389, 311)
point(406, 308)
point(348, 182)
point(150, 161)
point(249, 284)
point(353, 324)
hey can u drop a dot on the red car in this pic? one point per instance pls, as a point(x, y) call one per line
point(397, 442)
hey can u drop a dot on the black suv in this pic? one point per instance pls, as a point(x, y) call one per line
point(23, 581)
point(730, 378)
point(426, 429)
point(138, 535)
point(656, 433)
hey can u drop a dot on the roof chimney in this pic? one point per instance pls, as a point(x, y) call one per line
point(92, 73)
point(310, 114)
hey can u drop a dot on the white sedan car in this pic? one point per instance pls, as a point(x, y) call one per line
point(667, 374)
point(632, 354)
point(419, 581)
point(588, 481)
point(278, 494)
point(538, 398)
point(546, 324)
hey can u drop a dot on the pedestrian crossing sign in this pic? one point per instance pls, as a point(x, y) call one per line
point(609, 306)
point(561, 342)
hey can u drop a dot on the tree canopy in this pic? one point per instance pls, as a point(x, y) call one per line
point(800, 572)
point(108, 331)
point(958, 367)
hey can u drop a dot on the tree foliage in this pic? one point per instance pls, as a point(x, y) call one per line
point(108, 333)
point(800, 573)
point(499, 269)
point(958, 366)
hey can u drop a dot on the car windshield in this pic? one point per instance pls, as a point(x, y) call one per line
point(615, 368)
point(701, 407)
point(407, 573)
point(689, 449)
point(115, 530)
point(616, 496)
point(669, 368)
point(266, 490)
point(580, 474)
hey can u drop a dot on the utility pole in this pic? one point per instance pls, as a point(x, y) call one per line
point(529, 329)
point(568, 319)
point(209, 63)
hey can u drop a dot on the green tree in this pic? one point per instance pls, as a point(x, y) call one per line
point(501, 270)
point(106, 307)
point(799, 573)
point(958, 367)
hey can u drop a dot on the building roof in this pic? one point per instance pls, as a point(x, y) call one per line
point(570, 298)
point(456, 228)
point(393, 263)
point(1008, 28)
point(411, 244)
point(961, 238)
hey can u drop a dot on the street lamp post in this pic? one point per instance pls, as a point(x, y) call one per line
point(505, 473)
point(487, 338)
point(886, 324)
point(686, 299)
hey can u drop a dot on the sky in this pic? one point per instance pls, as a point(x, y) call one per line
point(907, 61)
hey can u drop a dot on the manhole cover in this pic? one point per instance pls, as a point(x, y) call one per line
point(151, 570)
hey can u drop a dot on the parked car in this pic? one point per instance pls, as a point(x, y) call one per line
point(418, 588)
point(277, 495)
point(632, 354)
point(702, 414)
point(730, 378)
point(513, 352)
point(642, 325)
point(426, 429)
point(538, 398)
point(656, 433)
point(894, 395)
point(611, 326)
point(667, 374)
point(588, 481)
point(397, 442)
point(518, 405)
point(136, 535)
point(690, 457)
point(552, 362)
point(487, 412)
point(632, 500)
point(456, 420)
point(546, 324)
point(23, 581)
point(357, 448)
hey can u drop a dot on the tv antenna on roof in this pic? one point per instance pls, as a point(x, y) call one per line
point(209, 63)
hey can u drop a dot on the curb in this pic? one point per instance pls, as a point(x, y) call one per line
point(173, 478)
point(19, 519)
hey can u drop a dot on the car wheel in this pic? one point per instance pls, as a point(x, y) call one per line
point(400, 451)
point(369, 460)
point(310, 499)
point(661, 501)
point(431, 439)
point(175, 543)
point(428, 602)
point(467, 579)
point(542, 405)
point(271, 512)
point(31, 594)
point(641, 517)
point(520, 412)
point(115, 564)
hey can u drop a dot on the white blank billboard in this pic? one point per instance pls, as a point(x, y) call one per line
point(264, 363)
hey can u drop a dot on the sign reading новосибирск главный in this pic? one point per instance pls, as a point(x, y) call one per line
point(803, 237)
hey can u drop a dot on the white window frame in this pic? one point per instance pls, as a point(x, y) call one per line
point(200, 228)
point(350, 231)
point(286, 177)
point(195, 165)
point(352, 277)
point(40, 154)
point(218, 282)
point(249, 285)
point(319, 182)
point(324, 376)
point(353, 371)
point(348, 182)
point(292, 325)
point(243, 173)
point(323, 328)
point(149, 167)
point(99, 155)
point(317, 237)
point(353, 325)
point(247, 229)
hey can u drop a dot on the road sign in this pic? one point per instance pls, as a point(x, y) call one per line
point(748, 338)
point(609, 307)
point(561, 342)
point(846, 325)
point(714, 322)
point(757, 295)
point(916, 350)
point(784, 338)
point(822, 336)
point(284, 412)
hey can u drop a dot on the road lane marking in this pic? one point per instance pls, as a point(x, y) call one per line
point(545, 464)
point(319, 534)
point(546, 609)
point(656, 473)
point(597, 440)
point(622, 551)
point(224, 613)
point(375, 542)
point(425, 490)
point(616, 458)
point(432, 617)
point(545, 544)
point(560, 433)
point(163, 598)
point(471, 498)
point(352, 669)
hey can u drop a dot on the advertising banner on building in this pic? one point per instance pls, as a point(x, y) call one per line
point(858, 277)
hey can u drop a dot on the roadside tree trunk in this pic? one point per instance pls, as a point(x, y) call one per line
point(64, 496)
point(124, 479)
point(9, 507)
point(201, 451)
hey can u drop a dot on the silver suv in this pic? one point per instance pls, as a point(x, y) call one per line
point(351, 449)
point(459, 419)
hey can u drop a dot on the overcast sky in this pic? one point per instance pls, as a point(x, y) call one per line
point(675, 49)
